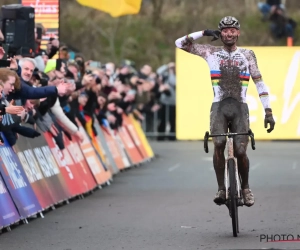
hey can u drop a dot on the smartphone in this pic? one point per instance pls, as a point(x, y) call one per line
point(71, 81)
point(4, 63)
point(95, 64)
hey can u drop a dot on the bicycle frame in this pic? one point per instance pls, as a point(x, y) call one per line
point(229, 145)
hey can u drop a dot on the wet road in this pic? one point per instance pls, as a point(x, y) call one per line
point(167, 205)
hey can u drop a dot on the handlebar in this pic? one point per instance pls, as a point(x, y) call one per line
point(230, 135)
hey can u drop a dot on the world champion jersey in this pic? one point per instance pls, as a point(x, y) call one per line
point(230, 72)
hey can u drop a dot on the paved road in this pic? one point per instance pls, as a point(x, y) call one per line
point(167, 205)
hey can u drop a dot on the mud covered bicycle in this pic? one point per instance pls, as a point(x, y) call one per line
point(234, 197)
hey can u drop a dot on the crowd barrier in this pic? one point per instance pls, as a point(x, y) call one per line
point(279, 67)
point(35, 175)
point(158, 123)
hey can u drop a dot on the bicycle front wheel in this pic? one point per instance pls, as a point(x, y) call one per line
point(233, 197)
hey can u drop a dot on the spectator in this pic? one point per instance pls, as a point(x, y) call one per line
point(269, 7)
point(167, 113)
point(281, 25)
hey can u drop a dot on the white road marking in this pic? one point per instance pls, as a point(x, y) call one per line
point(187, 227)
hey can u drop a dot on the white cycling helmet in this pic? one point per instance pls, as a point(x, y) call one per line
point(229, 22)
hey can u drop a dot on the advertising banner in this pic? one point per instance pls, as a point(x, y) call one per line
point(47, 14)
point(279, 67)
point(109, 146)
point(135, 137)
point(131, 149)
point(94, 162)
point(33, 172)
point(66, 166)
point(36, 156)
point(86, 178)
point(8, 212)
point(17, 183)
point(142, 136)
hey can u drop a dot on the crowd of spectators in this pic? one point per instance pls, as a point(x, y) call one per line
point(52, 92)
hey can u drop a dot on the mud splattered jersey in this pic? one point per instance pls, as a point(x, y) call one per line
point(230, 72)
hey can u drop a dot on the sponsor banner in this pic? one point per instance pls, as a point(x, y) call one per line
point(17, 183)
point(110, 147)
point(55, 180)
point(33, 172)
point(66, 165)
point(8, 212)
point(47, 14)
point(135, 137)
point(131, 149)
point(86, 178)
point(142, 136)
point(36, 155)
point(280, 70)
point(92, 158)
point(98, 147)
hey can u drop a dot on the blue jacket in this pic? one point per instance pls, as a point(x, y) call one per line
point(28, 92)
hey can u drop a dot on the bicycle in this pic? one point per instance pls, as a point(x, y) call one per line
point(234, 191)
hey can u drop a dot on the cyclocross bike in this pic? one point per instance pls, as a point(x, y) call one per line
point(234, 196)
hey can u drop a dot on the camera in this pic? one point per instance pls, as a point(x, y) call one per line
point(97, 79)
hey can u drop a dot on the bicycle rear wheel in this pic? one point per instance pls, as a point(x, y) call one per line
point(233, 197)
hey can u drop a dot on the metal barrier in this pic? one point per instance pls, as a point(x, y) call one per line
point(160, 124)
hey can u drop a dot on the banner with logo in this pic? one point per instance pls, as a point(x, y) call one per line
point(280, 71)
point(47, 14)
point(86, 178)
point(66, 166)
point(110, 147)
point(135, 137)
point(131, 149)
point(33, 172)
point(142, 136)
point(8, 212)
point(96, 165)
point(17, 183)
point(36, 156)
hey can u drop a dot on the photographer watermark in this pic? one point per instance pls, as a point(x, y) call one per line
point(279, 238)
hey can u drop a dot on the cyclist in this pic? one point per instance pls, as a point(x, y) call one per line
point(230, 70)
